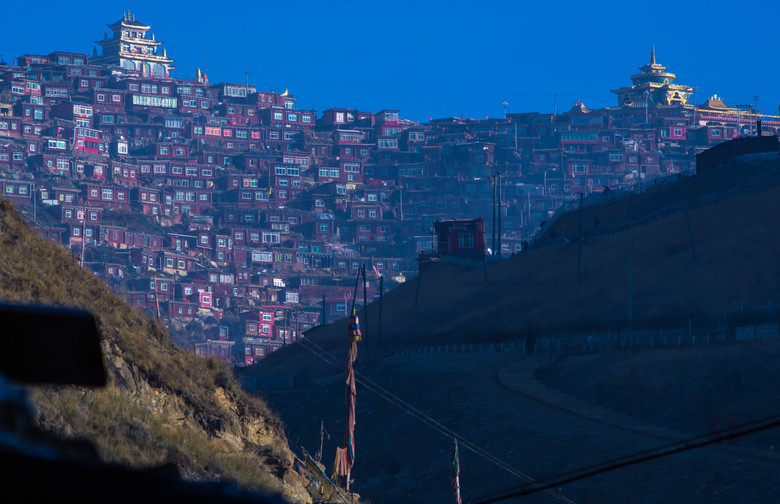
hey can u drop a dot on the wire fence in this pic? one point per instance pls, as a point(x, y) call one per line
point(743, 324)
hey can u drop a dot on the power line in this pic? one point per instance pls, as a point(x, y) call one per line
point(431, 422)
point(637, 458)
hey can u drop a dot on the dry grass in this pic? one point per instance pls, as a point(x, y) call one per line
point(124, 427)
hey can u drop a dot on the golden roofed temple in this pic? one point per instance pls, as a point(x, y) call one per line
point(654, 86)
point(130, 49)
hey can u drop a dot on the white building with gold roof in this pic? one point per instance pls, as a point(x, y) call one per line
point(130, 49)
point(655, 85)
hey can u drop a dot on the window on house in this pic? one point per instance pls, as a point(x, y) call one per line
point(466, 240)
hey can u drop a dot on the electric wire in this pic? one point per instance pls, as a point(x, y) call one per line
point(429, 421)
point(636, 458)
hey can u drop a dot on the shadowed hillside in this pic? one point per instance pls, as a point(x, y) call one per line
point(734, 220)
point(162, 405)
point(613, 399)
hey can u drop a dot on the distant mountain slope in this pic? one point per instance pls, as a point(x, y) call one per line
point(162, 405)
point(734, 218)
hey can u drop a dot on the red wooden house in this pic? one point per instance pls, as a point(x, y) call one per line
point(221, 349)
point(107, 196)
point(461, 238)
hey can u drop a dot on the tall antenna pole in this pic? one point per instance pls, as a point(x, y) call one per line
point(555, 105)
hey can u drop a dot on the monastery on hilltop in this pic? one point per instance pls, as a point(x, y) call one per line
point(129, 48)
point(655, 85)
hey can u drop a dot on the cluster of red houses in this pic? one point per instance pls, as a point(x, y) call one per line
point(196, 199)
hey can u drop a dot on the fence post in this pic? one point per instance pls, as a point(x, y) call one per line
point(690, 329)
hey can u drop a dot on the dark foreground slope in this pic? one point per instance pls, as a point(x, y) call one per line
point(734, 224)
point(162, 405)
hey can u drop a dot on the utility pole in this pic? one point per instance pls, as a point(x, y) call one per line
point(156, 298)
point(83, 235)
point(322, 437)
point(401, 188)
point(499, 213)
point(493, 237)
point(630, 300)
point(365, 303)
point(419, 280)
point(579, 249)
point(755, 112)
point(688, 217)
point(379, 324)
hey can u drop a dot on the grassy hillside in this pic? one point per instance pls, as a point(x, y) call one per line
point(162, 405)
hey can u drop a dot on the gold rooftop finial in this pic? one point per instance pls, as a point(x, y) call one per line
point(652, 55)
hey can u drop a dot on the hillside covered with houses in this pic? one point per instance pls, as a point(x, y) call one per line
point(205, 201)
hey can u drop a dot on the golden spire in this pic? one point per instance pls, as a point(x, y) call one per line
point(652, 55)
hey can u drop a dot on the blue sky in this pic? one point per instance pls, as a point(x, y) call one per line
point(435, 58)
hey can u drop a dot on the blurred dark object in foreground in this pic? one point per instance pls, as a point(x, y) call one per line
point(57, 346)
point(61, 346)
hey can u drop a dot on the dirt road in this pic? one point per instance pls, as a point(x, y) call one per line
point(400, 458)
